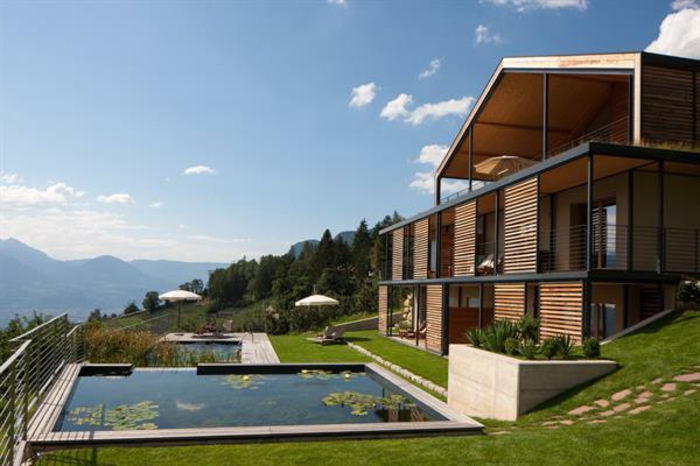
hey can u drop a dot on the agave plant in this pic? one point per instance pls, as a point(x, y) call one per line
point(528, 348)
point(475, 336)
point(565, 345)
point(496, 335)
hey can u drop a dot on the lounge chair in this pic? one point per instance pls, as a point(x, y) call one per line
point(423, 331)
point(327, 332)
point(335, 337)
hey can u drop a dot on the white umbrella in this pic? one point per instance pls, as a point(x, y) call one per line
point(317, 300)
point(178, 296)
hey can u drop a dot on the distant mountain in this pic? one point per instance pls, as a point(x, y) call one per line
point(346, 236)
point(32, 280)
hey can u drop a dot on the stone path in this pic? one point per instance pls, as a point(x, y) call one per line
point(630, 401)
point(416, 379)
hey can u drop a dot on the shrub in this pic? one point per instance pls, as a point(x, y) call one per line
point(496, 335)
point(528, 348)
point(689, 292)
point(549, 348)
point(591, 348)
point(564, 346)
point(529, 328)
point(475, 337)
point(511, 346)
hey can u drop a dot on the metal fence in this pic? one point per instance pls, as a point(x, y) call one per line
point(27, 376)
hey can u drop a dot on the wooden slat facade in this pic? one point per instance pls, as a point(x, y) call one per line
point(397, 255)
point(434, 299)
point(520, 227)
point(420, 249)
point(508, 301)
point(383, 308)
point(667, 104)
point(561, 310)
point(465, 240)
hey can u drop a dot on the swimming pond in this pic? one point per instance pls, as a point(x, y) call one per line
point(181, 399)
point(227, 351)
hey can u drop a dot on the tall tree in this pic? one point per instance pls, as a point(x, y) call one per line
point(151, 302)
point(361, 251)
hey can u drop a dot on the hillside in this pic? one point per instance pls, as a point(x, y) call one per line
point(32, 280)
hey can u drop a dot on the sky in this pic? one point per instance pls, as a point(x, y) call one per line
point(209, 131)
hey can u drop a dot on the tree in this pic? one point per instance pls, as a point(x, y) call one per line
point(361, 251)
point(151, 302)
point(131, 308)
point(95, 315)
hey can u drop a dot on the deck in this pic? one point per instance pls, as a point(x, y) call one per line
point(256, 347)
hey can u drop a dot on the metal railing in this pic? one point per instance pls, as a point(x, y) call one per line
point(614, 132)
point(28, 374)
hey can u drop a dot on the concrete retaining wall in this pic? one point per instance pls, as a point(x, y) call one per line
point(495, 386)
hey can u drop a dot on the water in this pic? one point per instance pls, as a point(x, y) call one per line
point(222, 351)
point(182, 399)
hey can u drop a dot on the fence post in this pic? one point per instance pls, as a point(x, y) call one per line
point(11, 403)
point(25, 382)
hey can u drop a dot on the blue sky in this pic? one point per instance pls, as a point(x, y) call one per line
point(104, 106)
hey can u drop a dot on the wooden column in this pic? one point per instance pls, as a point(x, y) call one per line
point(561, 306)
point(434, 316)
point(508, 301)
point(520, 225)
point(465, 239)
point(420, 249)
point(383, 309)
point(397, 255)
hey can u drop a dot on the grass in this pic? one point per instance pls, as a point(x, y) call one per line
point(422, 363)
point(663, 435)
point(295, 348)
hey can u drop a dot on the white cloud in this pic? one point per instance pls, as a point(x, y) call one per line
point(16, 197)
point(424, 181)
point(483, 35)
point(363, 95)
point(440, 109)
point(156, 204)
point(677, 5)
point(432, 68)
point(9, 178)
point(397, 108)
point(530, 5)
point(199, 170)
point(116, 198)
point(432, 154)
point(343, 3)
point(679, 34)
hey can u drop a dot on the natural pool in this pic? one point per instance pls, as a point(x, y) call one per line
point(227, 351)
point(180, 398)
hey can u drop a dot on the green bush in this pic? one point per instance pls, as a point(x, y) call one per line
point(475, 337)
point(496, 335)
point(565, 346)
point(529, 328)
point(511, 346)
point(689, 292)
point(528, 348)
point(549, 348)
point(591, 348)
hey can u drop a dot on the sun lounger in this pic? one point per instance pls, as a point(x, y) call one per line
point(335, 337)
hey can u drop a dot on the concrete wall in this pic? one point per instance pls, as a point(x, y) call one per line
point(496, 386)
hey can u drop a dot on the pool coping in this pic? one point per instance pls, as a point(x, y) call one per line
point(43, 438)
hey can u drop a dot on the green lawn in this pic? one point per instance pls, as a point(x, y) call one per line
point(423, 363)
point(667, 434)
point(295, 348)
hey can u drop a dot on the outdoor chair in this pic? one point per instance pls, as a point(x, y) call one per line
point(335, 337)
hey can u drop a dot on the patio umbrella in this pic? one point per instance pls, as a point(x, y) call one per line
point(179, 296)
point(316, 300)
point(497, 167)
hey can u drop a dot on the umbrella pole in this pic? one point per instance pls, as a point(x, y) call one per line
point(179, 309)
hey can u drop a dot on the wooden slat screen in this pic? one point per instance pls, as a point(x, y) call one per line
point(420, 249)
point(383, 308)
point(397, 255)
point(465, 239)
point(434, 317)
point(520, 227)
point(667, 104)
point(561, 309)
point(508, 301)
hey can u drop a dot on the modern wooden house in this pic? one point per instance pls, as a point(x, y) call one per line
point(581, 207)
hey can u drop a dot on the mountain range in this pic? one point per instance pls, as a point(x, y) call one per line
point(345, 236)
point(32, 280)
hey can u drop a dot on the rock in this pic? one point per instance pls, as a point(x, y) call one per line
point(639, 409)
point(580, 410)
point(607, 413)
point(668, 387)
point(597, 421)
point(687, 377)
point(620, 395)
point(621, 407)
point(602, 403)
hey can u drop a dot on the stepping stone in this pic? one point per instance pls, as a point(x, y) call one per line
point(620, 395)
point(597, 421)
point(639, 409)
point(550, 423)
point(622, 407)
point(689, 392)
point(602, 403)
point(657, 381)
point(668, 387)
point(640, 387)
point(566, 422)
point(643, 397)
point(687, 377)
point(607, 413)
point(500, 432)
point(553, 427)
point(580, 410)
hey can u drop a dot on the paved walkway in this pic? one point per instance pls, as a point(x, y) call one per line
point(255, 347)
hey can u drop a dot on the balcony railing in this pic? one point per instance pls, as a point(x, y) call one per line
point(614, 132)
